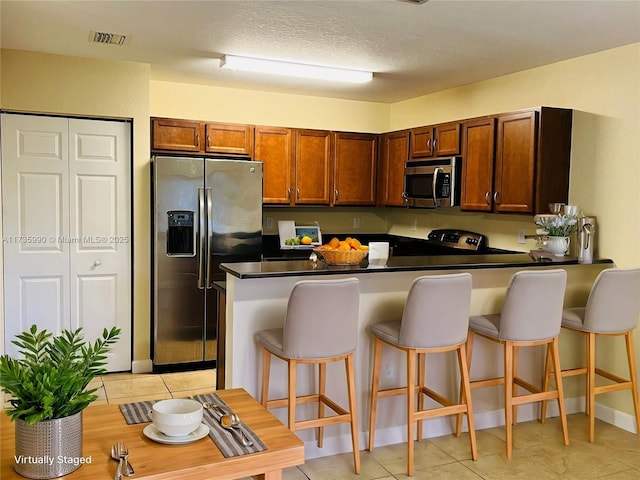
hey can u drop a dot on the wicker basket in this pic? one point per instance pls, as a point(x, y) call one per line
point(337, 257)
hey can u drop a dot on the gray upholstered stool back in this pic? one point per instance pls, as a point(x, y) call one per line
point(436, 313)
point(614, 301)
point(532, 308)
point(322, 318)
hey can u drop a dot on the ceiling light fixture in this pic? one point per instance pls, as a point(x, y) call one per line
point(233, 62)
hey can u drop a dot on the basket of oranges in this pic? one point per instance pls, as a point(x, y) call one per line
point(343, 252)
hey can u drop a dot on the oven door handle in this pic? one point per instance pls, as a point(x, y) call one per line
point(434, 185)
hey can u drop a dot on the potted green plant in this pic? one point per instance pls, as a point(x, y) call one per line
point(559, 229)
point(49, 389)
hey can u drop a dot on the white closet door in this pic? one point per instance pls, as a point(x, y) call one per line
point(66, 223)
point(100, 251)
point(35, 218)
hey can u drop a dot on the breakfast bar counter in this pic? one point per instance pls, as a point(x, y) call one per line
point(257, 295)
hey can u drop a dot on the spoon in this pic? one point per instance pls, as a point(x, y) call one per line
point(229, 421)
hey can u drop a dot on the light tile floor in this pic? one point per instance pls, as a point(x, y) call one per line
point(538, 449)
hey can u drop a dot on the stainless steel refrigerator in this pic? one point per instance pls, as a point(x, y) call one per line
point(206, 211)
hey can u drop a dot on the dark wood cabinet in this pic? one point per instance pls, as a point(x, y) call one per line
point(354, 170)
point(274, 147)
point(394, 153)
point(175, 135)
point(435, 141)
point(521, 168)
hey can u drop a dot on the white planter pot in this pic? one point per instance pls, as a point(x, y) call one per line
point(558, 245)
point(48, 449)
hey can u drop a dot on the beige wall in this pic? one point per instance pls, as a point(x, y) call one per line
point(605, 176)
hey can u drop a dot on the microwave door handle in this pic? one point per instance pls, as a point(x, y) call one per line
point(436, 171)
point(209, 237)
point(201, 238)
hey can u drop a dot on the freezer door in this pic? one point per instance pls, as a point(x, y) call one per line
point(178, 303)
point(234, 204)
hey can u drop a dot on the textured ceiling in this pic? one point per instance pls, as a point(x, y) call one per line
point(413, 49)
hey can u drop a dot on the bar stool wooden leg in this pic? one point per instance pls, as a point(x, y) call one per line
point(351, 386)
point(555, 353)
point(633, 374)
point(587, 377)
point(411, 407)
point(292, 393)
point(508, 392)
point(421, 384)
point(466, 389)
point(463, 395)
point(322, 381)
point(266, 369)
point(546, 382)
point(591, 379)
point(375, 385)
point(514, 392)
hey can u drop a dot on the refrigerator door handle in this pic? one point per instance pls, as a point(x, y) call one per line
point(201, 238)
point(209, 237)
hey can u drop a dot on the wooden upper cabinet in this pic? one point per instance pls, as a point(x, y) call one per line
point(394, 153)
point(177, 135)
point(435, 141)
point(274, 147)
point(354, 172)
point(478, 148)
point(231, 139)
point(312, 167)
point(521, 169)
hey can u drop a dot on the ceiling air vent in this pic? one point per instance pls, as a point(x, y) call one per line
point(107, 38)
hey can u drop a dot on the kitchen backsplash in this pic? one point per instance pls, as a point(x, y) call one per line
point(502, 230)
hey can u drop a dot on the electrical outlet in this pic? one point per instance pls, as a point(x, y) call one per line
point(356, 222)
point(269, 223)
point(521, 238)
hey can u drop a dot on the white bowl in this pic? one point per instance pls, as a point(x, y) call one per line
point(177, 417)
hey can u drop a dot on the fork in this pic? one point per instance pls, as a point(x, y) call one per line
point(123, 453)
point(115, 454)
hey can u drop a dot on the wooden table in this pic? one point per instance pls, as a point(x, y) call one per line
point(201, 460)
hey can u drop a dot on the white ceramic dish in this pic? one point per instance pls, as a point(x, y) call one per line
point(152, 433)
point(176, 417)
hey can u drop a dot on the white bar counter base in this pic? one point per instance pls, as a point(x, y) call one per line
point(255, 304)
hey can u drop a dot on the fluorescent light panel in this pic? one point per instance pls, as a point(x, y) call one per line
point(233, 62)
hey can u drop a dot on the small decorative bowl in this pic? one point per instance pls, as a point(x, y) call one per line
point(342, 257)
point(177, 417)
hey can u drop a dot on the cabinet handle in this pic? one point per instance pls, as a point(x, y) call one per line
point(297, 194)
point(197, 140)
point(496, 198)
point(336, 192)
point(435, 143)
point(429, 144)
point(288, 193)
point(487, 197)
point(208, 141)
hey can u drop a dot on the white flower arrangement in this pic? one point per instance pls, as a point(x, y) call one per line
point(559, 225)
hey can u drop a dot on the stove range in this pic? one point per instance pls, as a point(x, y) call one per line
point(447, 242)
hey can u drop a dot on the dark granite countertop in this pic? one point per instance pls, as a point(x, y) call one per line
point(273, 269)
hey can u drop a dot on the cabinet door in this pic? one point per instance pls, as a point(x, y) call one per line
point(274, 147)
point(354, 169)
point(177, 135)
point(477, 167)
point(394, 154)
point(312, 167)
point(447, 140)
point(229, 139)
point(515, 163)
point(421, 142)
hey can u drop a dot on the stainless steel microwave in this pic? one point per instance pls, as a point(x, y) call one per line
point(433, 183)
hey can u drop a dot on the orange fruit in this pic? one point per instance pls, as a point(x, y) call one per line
point(344, 247)
point(306, 240)
point(334, 242)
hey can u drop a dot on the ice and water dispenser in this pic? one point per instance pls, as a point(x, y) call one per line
point(181, 233)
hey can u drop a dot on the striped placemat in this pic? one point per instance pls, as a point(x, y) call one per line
point(140, 412)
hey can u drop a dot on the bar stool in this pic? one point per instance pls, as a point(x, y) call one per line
point(435, 319)
point(612, 309)
point(531, 315)
point(320, 327)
